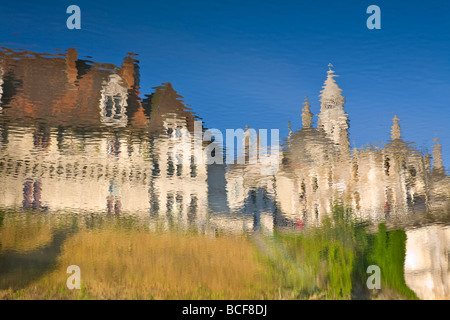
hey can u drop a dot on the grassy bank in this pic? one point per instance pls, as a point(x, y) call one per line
point(121, 262)
point(120, 259)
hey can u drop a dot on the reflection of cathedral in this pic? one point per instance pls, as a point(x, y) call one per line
point(75, 135)
point(318, 168)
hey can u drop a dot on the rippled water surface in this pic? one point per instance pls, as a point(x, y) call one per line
point(89, 178)
point(135, 188)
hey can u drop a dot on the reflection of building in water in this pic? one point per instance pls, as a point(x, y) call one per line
point(75, 135)
point(52, 156)
point(178, 192)
point(427, 263)
point(113, 102)
point(74, 172)
point(114, 203)
point(67, 91)
point(318, 168)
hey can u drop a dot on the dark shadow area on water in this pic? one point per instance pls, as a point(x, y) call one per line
point(21, 268)
point(30, 266)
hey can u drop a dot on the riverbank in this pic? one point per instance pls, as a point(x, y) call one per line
point(120, 259)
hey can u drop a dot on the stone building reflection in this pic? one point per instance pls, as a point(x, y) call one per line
point(318, 168)
point(427, 270)
point(86, 141)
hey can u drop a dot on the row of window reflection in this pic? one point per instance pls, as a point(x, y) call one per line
point(93, 171)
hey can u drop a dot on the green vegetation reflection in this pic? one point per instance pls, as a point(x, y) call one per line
point(330, 262)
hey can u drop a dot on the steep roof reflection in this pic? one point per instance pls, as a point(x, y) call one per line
point(166, 109)
point(61, 89)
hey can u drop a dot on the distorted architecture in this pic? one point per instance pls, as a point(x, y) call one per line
point(318, 168)
point(53, 147)
point(75, 135)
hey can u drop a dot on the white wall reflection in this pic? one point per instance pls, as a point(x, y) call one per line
point(427, 261)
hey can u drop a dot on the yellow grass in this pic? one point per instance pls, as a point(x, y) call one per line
point(120, 264)
point(24, 233)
